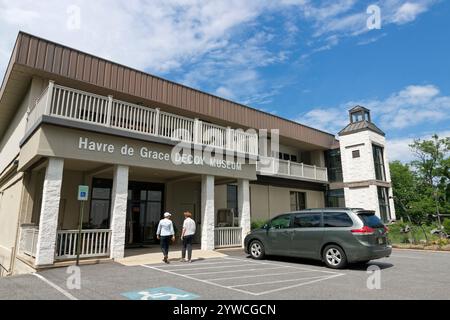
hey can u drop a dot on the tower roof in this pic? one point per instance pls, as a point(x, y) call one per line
point(360, 126)
point(358, 108)
point(360, 120)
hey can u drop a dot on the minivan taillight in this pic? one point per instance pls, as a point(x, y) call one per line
point(364, 231)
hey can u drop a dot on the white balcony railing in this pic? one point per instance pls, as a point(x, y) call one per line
point(28, 240)
point(94, 243)
point(227, 237)
point(68, 103)
point(277, 167)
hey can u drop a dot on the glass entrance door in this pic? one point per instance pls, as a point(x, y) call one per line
point(145, 206)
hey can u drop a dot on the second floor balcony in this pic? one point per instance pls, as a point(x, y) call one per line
point(291, 169)
point(83, 107)
point(71, 104)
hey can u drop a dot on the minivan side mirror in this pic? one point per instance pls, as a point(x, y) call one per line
point(266, 226)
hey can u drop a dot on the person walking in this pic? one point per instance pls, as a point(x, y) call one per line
point(165, 233)
point(187, 236)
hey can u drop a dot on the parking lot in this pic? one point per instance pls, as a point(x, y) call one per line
point(405, 275)
point(248, 276)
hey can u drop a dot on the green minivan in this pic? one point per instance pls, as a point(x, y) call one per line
point(337, 236)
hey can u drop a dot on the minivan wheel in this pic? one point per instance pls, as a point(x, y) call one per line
point(256, 250)
point(334, 257)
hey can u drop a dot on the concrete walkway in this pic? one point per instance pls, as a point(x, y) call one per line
point(153, 255)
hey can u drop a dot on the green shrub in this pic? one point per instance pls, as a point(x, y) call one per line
point(256, 224)
point(446, 225)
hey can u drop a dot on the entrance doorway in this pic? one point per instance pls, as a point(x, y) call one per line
point(144, 210)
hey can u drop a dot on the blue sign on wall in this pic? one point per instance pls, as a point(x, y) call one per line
point(162, 293)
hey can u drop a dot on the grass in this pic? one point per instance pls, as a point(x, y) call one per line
point(416, 238)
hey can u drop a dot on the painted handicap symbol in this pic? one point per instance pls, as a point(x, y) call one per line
point(162, 293)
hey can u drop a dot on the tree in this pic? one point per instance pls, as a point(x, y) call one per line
point(431, 168)
point(404, 186)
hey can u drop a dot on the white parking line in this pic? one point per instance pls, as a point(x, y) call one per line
point(231, 266)
point(258, 275)
point(174, 267)
point(270, 263)
point(278, 281)
point(258, 266)
point(192, 278)
point(299, 285)
point(234, 271)
point(55, 286)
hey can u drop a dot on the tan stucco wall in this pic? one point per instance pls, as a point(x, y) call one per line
point(10, 195)
point(9, 142)
point(269, 201)
point(182, 196)
point(69, 207)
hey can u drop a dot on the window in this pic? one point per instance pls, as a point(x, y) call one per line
point(355, 154)
point(232, 199)
point(308, 220)
point(371, 220)
point(333, 158)
point(287, 157)
point(356, 117)
point(100, 204)
point(281, 222)
point(336, 219)
point(378, 160)
point(298, 201)
point(383, 201)
point(335, 198)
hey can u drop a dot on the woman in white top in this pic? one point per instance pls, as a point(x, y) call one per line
point(165, 234)
point(187, 235)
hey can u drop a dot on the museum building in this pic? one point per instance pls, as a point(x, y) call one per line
point(144, 145)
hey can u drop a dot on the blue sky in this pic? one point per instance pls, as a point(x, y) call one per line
point(308, 61)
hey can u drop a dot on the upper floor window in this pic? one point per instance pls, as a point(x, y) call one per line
point(378, 159)
point(356, 117)
point(383, 201)
point(334, 165)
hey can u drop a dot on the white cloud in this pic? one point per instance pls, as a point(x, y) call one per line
point(327, 119)
point(200, 42)
point(398, 149)
point(159, 35)
point(411, 106)
point(408, 12)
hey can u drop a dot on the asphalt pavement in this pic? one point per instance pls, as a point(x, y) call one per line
point(407, 274)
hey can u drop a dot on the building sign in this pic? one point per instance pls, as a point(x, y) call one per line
point(77, 144)
point(84, 143)
point(162, 293)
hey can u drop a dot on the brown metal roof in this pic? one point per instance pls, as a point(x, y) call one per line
point(45, 58)
point(360, 126)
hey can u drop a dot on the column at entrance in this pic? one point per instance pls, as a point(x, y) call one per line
point(244, 207)
point(119, 211)
point(48, 221)
point(207, 212)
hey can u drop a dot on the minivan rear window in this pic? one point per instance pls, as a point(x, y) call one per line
point(371, 220)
